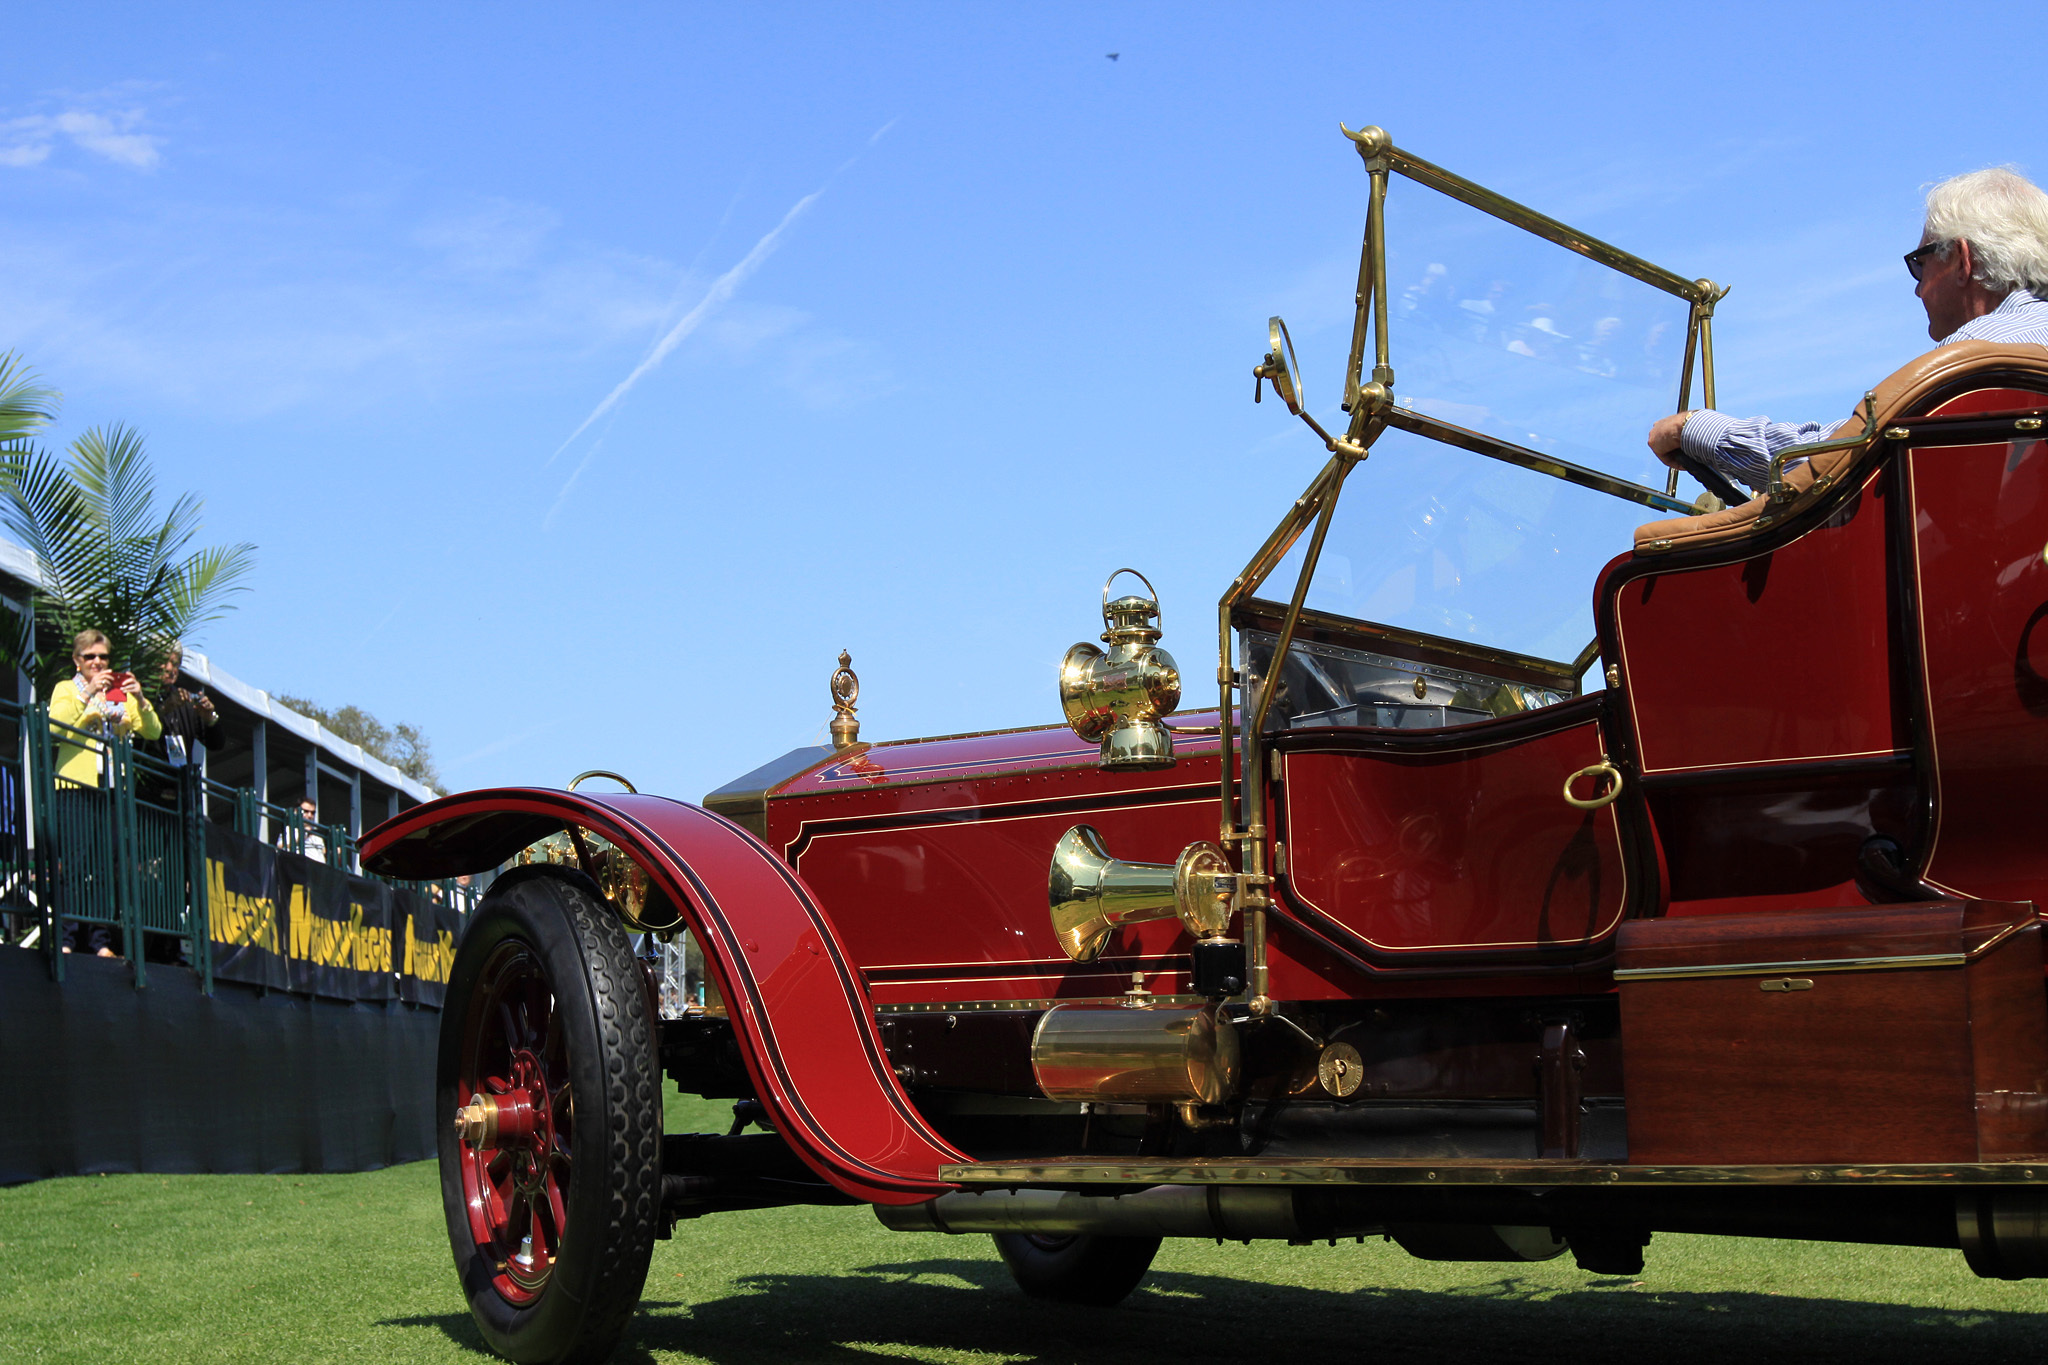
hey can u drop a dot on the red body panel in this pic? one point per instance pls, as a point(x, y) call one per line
point(800, 1010)
point(1457, 848)
point(932, 858)
point(1980, 526)
point(1782, 656)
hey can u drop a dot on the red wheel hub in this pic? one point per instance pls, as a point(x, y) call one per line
point(513, 1121)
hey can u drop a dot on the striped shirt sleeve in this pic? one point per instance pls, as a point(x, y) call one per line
point(1743, 447)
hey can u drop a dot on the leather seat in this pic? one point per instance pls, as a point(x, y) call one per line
point(1900, 395)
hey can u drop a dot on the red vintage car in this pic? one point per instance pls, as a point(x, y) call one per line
point(1440, 926)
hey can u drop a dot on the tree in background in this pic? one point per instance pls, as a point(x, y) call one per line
point(403, 746)
point(109, 561)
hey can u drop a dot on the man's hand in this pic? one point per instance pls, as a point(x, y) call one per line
point(1664, 437)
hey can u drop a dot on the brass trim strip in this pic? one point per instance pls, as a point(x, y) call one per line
point(1426, 1173)
point(1839, 964)
point(986, 1006)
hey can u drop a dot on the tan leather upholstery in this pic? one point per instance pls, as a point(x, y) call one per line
point(1898, 396)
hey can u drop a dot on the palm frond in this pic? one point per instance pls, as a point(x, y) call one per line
point(198, 589)
point(26, 407)
point(147, 557)
point(18, 640)
point(41, 507)
point(112, 471)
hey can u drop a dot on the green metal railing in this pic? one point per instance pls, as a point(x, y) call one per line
point(19, 909)
point(120, 842)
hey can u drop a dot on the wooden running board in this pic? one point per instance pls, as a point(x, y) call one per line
point(1083, 1171)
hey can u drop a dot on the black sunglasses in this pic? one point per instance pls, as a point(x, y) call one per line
point(1919, 254)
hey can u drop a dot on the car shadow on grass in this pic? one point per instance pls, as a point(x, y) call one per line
point(943, 1307)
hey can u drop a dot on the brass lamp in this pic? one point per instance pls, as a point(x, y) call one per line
point(1116, 698)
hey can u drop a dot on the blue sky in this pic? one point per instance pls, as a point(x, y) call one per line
point(962, 311)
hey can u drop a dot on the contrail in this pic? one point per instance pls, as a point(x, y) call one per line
point(721, 290)
point(547, 523)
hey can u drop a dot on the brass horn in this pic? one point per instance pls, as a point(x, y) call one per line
point(1091, 893)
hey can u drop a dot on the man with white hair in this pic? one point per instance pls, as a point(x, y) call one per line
point(1981, 272)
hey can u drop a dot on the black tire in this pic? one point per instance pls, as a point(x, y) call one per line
point(586, 1168)
point(1099, 1271)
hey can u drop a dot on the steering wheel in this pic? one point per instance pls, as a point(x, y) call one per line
point(1711, 480)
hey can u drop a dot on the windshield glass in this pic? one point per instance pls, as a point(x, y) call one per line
point(1493, 328)
point(1431, 538)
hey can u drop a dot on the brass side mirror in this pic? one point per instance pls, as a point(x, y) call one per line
point(1280, 367)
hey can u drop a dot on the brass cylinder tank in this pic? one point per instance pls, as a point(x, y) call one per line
point(1114, 1053)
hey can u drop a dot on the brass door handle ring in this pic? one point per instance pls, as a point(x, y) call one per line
point(1612, 785)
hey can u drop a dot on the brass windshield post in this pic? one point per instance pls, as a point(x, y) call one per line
point(1376, 231)
point(1243, 829)
point(1244, 585)
point(1368, 283)
point(1706, 307)
point(1373, 144)
point(1692, 338)
point(1699, 339)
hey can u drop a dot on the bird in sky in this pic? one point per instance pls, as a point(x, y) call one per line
point(1112, 55)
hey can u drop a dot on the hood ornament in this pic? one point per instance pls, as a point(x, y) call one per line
point(845, 726)
point(1116, 699)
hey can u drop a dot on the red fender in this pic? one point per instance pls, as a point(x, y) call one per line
point(801, 1013)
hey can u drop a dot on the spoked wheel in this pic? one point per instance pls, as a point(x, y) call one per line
point(550, 1112)
point(1080, 1269)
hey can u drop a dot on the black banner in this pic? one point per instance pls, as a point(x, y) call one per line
point(426, 929)
point(290, 923)
point(241, 910)
point(337, 930)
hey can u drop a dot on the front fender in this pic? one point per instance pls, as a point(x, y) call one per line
point(800, 1012)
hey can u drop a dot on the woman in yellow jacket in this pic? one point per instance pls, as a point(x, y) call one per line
point(104, 704)
point(99, 701)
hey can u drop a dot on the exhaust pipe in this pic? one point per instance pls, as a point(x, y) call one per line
point(1237, 1212)
point(1232, 1212)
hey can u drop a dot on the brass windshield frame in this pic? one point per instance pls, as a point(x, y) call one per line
point(1371, 408)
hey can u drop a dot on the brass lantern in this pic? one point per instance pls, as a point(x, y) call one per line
point(1116, 698)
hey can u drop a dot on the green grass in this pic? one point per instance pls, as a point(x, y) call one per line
point(171, 1269)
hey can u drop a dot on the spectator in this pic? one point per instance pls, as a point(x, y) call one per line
point(86, 710)
point(101, 702)
point(187, 715)
point(315, 846)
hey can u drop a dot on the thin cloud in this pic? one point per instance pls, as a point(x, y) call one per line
point(721, 291)
point(28, 141)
